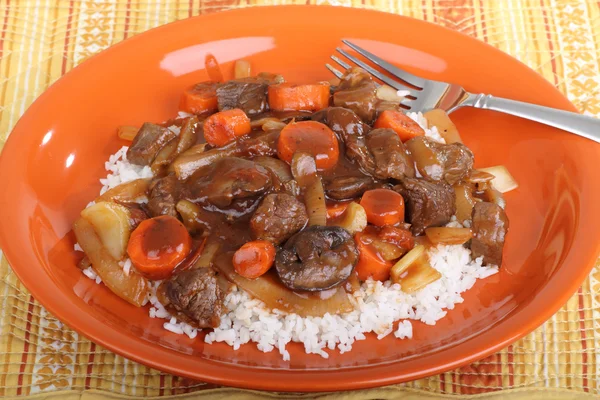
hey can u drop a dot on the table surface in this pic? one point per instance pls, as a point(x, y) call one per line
point(40, 40)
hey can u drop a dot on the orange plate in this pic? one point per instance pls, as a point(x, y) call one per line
point(52, 161)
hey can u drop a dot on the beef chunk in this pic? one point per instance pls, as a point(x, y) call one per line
point(350, 128)
point(490, 226)
point(389, 154)
point(163, 197)
point(228, 179)
point(348, 187)
point(147, 143)
point(196, 293)
point(249, 94)
point(278, 217)
point(427, 203)
point(357, 91)
point(458, 161)
point(438, 161)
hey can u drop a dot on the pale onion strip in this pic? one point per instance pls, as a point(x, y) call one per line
point(304, 170)
point(405, 262)
point(388, 93)
point(127, 132)
point(447, 235)
point(503, 181)
point(242, 69)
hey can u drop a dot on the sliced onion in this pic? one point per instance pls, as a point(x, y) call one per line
point(111, 223)
point(273, 125)
point(277, 166)
point(131, 287)
point(388, 93)
point(276, 296)
point(413, 272)
point(186, 164)
point(164, 156)
point(258, 123)
point(304, 170)
point(242, 69)
point(464, 202)
point(503, 181)
point(405, 262)
point(419, 275)
point(212, 68)
point(479, 177)
point(494, 196)
point(189, 213)
point(208, 254)
point(187, 135)
point(445, 235)
point(439, 118)
point(127, 192)
point(127, 132)
point(194, 150)
point(273, 79)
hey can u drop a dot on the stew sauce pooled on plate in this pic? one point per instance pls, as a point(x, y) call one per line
point(296, 194)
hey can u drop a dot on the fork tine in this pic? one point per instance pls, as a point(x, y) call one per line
point(405, 76)
point(341, 62)
point(334, 71)
point(395, 84)
point(406, 103)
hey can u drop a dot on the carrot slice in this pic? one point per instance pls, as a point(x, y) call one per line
point(200, 98)
point(370, 263)
point(225, 126)
point(254, 258)
point(292, 97)
point(401, 123)
point(383, 207)
point(397, 236)
point(336, 209)
point(309, 137)
point(158, 245)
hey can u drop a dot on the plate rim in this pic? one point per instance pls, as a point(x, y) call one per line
point(258, 377)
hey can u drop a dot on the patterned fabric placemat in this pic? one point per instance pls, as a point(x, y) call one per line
point(40, 40)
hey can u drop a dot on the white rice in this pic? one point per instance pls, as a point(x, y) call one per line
point(121, 171)
point(90, 273)
point(430, 132)
point(378, 306)
point(381, 307)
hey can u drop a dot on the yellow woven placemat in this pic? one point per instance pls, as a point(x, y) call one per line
point(41, 40)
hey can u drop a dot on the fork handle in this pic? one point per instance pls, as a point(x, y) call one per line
point(578, 124)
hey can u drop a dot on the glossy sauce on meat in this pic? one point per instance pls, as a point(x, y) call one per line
point(241, 192)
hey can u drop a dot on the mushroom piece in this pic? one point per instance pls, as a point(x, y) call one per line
point(318, 258)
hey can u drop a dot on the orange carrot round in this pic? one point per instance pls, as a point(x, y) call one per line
point(254, 258)
point(370, 263)
point(199, 98)
point(402, 124)
point(383, 207)
point(336, 209)
point(292, 97)
point(309, 137)
point(400, 237)
point(158, 245)
point(226, 126)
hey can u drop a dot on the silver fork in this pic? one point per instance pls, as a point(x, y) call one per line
point(426, 94)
